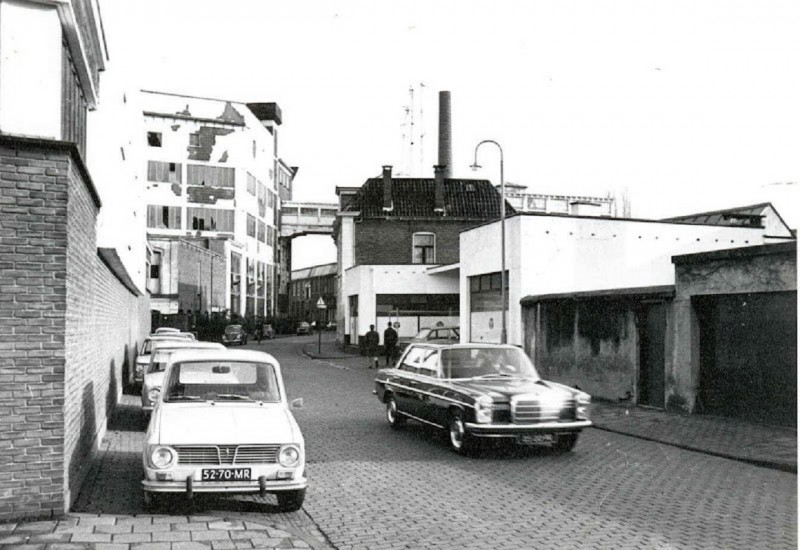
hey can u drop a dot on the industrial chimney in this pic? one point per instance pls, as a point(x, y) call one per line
point(445, 135)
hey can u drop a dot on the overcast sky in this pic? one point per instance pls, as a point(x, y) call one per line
point(687, 105)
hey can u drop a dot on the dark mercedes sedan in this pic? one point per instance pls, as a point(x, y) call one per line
point(481, 391)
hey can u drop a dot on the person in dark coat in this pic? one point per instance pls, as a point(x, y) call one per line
point(390, 343)
point(371, 341)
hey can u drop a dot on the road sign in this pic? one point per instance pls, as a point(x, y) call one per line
point(321, 303)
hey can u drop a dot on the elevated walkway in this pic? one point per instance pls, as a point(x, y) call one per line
point(307, 218)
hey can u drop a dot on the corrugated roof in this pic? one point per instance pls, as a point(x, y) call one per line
point(414, 198)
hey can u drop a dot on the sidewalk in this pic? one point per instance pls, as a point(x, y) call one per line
point(767, 446)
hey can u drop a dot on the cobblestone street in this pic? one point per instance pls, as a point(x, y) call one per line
point(374, 488)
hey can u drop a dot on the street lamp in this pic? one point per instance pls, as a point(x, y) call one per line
point(475, 166)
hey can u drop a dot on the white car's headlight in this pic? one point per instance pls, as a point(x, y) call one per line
point(139, 368)
point(289, 456)
point(162, 457)
point(153, 395)
point(483, 409)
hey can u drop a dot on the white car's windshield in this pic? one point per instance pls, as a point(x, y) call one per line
point(222, 381)
point(486, 363)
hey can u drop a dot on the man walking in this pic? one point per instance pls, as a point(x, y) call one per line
point(390, 343)
point(371, 340)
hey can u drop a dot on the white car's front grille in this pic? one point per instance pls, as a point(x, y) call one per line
point(227, 454)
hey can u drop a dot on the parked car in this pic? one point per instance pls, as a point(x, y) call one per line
point(303, 328)
point(234, 334)
point(477, 391)
point(222, 424)
point(331, 326)
point(159, 360)
point(166, 330)
point(448, 335)
point(143, 357)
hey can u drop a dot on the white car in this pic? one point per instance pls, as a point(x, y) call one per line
point(143, 358)
point(222, 424)
point(159, 360)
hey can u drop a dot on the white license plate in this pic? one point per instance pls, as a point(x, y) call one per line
point(226, 474)
point(535, 439)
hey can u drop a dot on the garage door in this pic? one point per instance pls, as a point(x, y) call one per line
point(748, 356)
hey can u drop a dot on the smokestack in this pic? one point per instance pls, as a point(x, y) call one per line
point(387, 187)
point(445, 135)
point(439, 172)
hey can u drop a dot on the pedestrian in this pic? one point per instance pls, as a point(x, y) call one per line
point(371, 340)
point(390, 343)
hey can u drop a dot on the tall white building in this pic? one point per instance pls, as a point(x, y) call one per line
point(214, 179)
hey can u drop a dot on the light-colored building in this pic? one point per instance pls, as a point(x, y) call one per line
point(593, 300)
point(575, 205)
point(214, 178)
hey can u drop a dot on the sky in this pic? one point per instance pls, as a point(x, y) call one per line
point(683, 106)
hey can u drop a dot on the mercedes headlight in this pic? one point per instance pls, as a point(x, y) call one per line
point(483, 409)
point(289, 456)
point(153, 395)
point(162, 457)
point(583, 400)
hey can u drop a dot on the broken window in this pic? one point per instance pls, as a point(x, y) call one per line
point(163, 217)
point(167, 172)
point(154, 139)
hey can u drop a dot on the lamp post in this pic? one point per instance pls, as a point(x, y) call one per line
point(475, 166)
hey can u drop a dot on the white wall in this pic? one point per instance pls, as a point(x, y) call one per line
point(30, 69)
point(368, 280)
point(558, 254)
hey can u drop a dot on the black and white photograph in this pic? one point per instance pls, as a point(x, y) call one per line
point(384, 275)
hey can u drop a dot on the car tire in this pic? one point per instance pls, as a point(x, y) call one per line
point(564, 443)
point(457, 436)
point(395, 419)
point(291, 501)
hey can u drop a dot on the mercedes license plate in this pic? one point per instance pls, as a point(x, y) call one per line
point(226, 474)
point(535, 439)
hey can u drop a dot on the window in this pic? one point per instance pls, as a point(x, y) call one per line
point(424, 248)
point(166, 172)
point(194, 140)
point(210, 219)
point(163, 217)
point(262, 231)
point(251, 226)
point(216, 176)
point(251, 184)
point(155, 271)
point(485, 292)
point(154, 139)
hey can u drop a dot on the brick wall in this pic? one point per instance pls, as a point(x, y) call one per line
point(67, 326)
point(33, 267)
point(386, 242)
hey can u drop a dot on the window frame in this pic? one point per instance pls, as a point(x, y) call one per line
point(414, 247)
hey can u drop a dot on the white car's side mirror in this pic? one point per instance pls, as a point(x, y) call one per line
point(297, 403)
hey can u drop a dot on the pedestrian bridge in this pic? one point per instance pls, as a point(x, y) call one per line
point(307, 218)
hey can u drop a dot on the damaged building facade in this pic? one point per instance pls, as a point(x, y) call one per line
point(620, 308)
point(214, 181)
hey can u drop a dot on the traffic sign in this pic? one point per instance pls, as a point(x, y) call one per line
point(321, 303)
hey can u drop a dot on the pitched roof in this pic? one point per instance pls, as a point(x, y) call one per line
point(414, 198)
point(314, 271)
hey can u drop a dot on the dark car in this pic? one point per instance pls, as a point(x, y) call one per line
point(234, 334)
point(481, 391)
point(303, 328)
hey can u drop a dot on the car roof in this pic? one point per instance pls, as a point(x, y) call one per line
point(187, 344)
point(166, 330)
point(163, 336)
point(464, 346)
point(224, 354)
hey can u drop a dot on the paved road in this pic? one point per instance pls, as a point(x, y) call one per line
point(372, 487)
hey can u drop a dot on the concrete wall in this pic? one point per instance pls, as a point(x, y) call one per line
point(592, 345)
point(67, 328)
